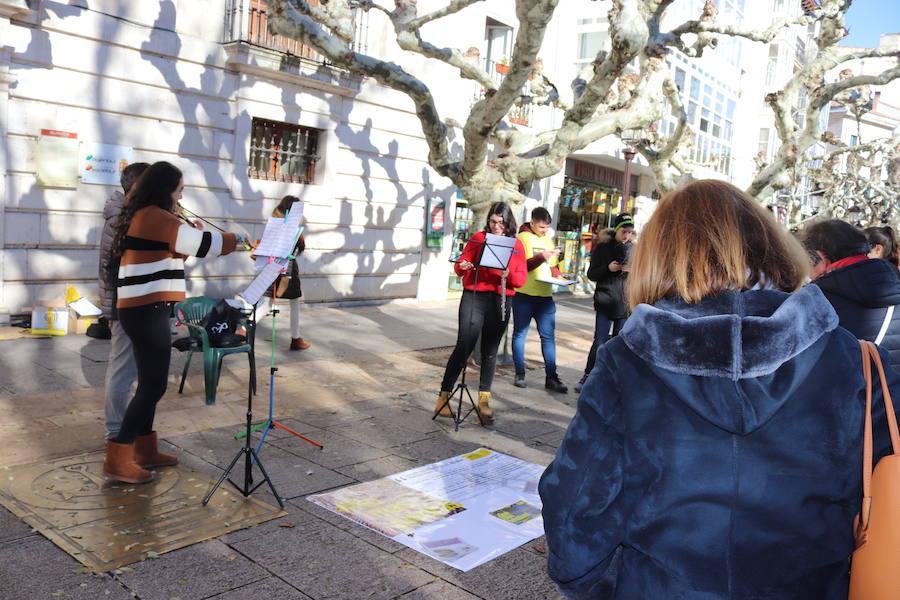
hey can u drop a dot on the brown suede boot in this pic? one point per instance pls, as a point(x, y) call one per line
point(446, 411)
point(147, 454)
point(120, 466)
point(487, 414)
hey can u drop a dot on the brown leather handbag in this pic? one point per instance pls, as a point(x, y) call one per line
point(875, 564)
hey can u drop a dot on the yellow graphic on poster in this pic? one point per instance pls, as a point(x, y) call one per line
point(57, 159)
point(387, 507)
point(517, 513)
point(477, 454)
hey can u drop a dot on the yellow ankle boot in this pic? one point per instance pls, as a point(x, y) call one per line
point(487, 415)
point(445, 412)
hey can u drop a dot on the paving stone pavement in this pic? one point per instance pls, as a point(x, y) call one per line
point(365, 390)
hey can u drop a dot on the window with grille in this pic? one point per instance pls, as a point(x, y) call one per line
point(283, 152)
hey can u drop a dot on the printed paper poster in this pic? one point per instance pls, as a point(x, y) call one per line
point(463, 511)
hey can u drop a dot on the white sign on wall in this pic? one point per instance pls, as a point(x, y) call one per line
point(103, 163)
point(57, 159)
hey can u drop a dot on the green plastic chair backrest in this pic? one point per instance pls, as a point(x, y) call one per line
point(194, 310)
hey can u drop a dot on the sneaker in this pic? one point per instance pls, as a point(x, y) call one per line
point(555, 385)
point(580, 383)
point(520, 380)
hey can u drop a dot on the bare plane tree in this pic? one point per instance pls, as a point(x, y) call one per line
point(497, 161)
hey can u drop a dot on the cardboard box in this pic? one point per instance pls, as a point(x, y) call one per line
point(50, 320)
point(79, 324)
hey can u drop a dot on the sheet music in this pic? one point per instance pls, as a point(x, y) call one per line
point(261, 283)
point(545, 275)
point(556, 281)
point(497, 251)
point(280, 235)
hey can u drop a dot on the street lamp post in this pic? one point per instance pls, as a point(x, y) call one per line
point(626, 187)
point(630, 137)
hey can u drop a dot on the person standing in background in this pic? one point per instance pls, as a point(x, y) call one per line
point(288, 286)
point(609, 269)
point(483, 309)
point(864, 291)
point(884, 245)
point(120, 368)
point(534, 300)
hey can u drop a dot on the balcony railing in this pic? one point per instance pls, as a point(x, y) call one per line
point(247, 21)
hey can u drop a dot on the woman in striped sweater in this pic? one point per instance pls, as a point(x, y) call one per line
point(153, 243)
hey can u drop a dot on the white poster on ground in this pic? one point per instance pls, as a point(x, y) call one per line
point(463, 511)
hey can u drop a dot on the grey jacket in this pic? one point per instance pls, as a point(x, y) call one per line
point(111, 212)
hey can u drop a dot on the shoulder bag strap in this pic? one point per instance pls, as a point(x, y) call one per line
point(884, 326)
point(863, 523)
point(869, 354)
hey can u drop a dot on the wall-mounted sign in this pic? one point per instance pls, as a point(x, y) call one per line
point(434, 225)
point(103, 163)
point(57, 159)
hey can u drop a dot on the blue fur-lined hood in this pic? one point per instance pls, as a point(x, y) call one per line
point(732, 347)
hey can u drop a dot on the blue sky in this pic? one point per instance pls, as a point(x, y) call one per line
point(867, 19)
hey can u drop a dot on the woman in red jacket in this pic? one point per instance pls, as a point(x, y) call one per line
point(480, 308)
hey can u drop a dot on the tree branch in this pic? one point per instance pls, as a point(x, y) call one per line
point(534, 15)
point(452, 7)
point(287, 20)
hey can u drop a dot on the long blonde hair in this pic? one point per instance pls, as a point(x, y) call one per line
point(709, 237)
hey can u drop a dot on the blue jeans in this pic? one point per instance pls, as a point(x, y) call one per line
point(543, 310)
point(601, 336)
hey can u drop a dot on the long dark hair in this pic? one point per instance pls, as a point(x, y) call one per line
point(153, 188)
point(502, 209)
point(887, 239)
point(285, 205)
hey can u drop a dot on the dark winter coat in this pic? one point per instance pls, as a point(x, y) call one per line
point(609, 293)
point(861, 294)
point(715, 454)
point(106, 275)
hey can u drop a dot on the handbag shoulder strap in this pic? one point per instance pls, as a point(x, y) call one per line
point(869, 355)
point(884, 326)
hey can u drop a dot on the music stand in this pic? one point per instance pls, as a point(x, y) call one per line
point(247, 451)
point(270, 421)
point(273, 254)
point(498, 258)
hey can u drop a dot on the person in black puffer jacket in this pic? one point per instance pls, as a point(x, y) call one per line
point(863, 291)
point(609, 269)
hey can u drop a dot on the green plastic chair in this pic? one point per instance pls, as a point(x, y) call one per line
point(192, 312)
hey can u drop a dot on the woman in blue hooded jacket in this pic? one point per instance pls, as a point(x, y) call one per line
point(716, 449)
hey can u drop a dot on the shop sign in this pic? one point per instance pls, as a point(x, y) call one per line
point(434, 226)
point(57, 159)
point(598, 174)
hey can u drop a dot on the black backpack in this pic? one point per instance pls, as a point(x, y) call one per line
point(221, 326)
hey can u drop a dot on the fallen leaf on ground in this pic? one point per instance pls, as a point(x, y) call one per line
point(286, 524)
point(540, 548)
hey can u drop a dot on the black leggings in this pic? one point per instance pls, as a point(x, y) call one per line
point(479, 313)
point(148, 328)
